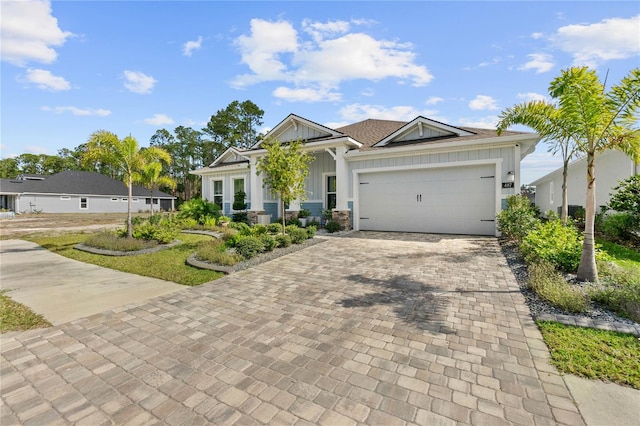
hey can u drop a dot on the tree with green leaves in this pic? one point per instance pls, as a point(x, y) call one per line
point(150, 176)
point(124, 155)
point(285, 167)
point(236, 125)
point(9, 168)
point(593, 119)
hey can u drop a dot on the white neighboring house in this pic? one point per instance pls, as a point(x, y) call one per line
point(77, 192)
point(611, 167)
point(417, 176)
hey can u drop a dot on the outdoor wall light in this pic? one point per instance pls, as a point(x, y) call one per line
point(511, 177)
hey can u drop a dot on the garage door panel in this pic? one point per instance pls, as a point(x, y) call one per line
point(457, 200)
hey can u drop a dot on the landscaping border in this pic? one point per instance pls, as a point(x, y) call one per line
point(95, 250)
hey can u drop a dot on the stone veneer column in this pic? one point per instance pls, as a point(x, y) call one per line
point(343, 217)
point(252, 216)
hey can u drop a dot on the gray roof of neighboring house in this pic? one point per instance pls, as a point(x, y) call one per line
point(75, 182)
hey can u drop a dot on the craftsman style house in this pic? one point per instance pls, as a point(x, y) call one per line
point(417, 176)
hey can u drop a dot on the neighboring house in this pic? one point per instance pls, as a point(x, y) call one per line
point(611, 167)
point(76, 192)
point(417, 176)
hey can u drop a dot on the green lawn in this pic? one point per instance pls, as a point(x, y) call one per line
point(15, 316)
point(594, 354)
point(623, 256)
point(166, 264)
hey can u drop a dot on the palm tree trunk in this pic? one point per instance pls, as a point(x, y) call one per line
point(587, 270)
point(284, 214)
point(130, 189)
point(151, 208)
point(565, 193)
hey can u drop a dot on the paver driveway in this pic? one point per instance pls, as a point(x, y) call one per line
point(373, 328)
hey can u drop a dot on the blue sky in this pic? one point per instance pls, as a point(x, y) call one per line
point(70, 68)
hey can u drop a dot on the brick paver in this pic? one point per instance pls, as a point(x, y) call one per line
point(371, 328)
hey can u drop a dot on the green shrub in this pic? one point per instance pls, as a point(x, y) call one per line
point(163, 233)
point(198, 209)
point(555, 243)
point(294, 221)
point(550, 285)
point(332, 226)
point(135, 220)
point(108, 240)
point(241, 227)
point(620, 226)
point(240, 217)
point(249, 246)
point(155, 218)
point(268, 241)
point(298, 235)
point(283, 240)
point(275, 228)
point(188, 223)
point(214, 252)
point(311, 231)
point(313, 223)
point(619, 290)
point(518, 218)
point(259, 229)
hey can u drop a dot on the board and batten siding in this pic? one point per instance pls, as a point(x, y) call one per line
point(322, 164)
point(303, 132)
point(507, 155)
point(414, 134)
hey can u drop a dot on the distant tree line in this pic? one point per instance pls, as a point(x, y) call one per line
point(237, 125)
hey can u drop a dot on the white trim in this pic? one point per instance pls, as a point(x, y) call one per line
point(220, 169)
point(65, 197)
point(497, 181)
point(325, 175)
point(419, 121)
point(290, 121)
point(232, 191)
point(440, 147)
point(315, 146)
point(86, 203)
point(213, 194)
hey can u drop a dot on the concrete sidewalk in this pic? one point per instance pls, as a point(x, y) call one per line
point(63, 289)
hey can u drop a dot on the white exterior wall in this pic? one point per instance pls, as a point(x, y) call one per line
point(95, 204)
point(611, 167)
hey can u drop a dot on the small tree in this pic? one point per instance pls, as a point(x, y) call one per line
point(123, 155)
point(150, 177)
point(285, 168)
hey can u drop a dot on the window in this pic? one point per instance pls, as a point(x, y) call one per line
point(124, 200)
point(148, 201)
point(134, 200)
point(65, 198)
point(217, 193)
point(115, 199)
point(331, 192)
point(84, 203)
point(238, 185)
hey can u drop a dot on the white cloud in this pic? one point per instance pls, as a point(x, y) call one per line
point(532, 96)
point(358, 112)
point(432, 100)
point(540, 62)
point(537, 36)
point(78, 111)
point(43, 79)
point(275, 51)
point(593, 44)
point(34, 149)
point(159, 120)
point(489, 122)
point(138, 82)
point(190, 46)
point(306, 95)
point(483, 102)
point(29, 32)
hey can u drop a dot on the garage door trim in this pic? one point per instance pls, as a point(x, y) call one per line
point(497, 162)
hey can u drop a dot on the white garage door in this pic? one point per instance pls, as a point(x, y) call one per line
point(452, 200)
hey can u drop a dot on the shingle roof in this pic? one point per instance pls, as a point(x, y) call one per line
point(371, 131)
point(76, 182)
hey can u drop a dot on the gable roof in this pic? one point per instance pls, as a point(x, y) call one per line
point(76, 182)
point(294, 127)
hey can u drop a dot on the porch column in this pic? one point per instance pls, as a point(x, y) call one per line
point(257, 203)
point(342, 179)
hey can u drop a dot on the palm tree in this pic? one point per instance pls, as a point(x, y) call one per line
point(123, 155)
point(150, 177)
point(591, 120)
